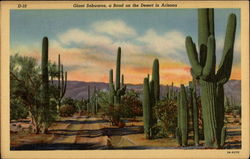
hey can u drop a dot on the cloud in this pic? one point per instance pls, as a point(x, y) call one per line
point(84, 39)
point(88, 54)
point(168, 43)
point(115, 28)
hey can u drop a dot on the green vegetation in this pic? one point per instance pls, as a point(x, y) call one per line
point(204, 70)
point(119, 89)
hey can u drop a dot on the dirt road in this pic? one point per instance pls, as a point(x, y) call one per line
point(73, 133)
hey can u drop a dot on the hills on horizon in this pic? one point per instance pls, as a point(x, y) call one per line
point(79, 89)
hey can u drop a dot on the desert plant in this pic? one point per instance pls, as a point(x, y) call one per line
point(60, 84)
point(211, 82)
point(182, 129)
point(116, 91)
point(67, 110)
point(166, 114)
point(147, 110)
point(194, 109)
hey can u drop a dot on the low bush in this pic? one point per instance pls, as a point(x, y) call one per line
point(67, 110)
point(166, 115)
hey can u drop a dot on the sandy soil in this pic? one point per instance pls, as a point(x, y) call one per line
point(84, 132)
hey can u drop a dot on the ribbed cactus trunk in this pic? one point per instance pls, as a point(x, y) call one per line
point(147, 110)
point(178, 129)
point(195, 115)
point(183, 116)
point(111, 88)
point(45, 82)
point(204, 70)
point(118, 75)
point(156, 80)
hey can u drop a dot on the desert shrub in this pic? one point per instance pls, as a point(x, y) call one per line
point(67, 110)
point(17, 109)
point(113, 114)
point(166, 114)
point(131, 105)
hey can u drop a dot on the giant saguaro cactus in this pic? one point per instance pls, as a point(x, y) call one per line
point(156, 81)
point(119, 89)
point(62, 81)
point(147, 109)
point(182, 129)
point(45, 82)
point(204, 70)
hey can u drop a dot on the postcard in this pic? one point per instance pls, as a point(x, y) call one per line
point(124, 79)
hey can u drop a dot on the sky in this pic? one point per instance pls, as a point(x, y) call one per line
point(87, 41)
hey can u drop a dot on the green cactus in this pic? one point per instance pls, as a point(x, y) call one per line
point(156, 80)
point(183, 116)
point(178, 131)
point(45, 82)
point(147, 110)
point(223, 136)
point(111, 88)
point(211, 82)
point(194, 109)
point(88, 100)
point(61, 83)
point(116, 91)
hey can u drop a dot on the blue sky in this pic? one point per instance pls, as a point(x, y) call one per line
point(146, 33)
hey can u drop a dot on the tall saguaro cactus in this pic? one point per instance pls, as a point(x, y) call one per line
point(61, 83)
point(147, 109)
point(45, 81)
point(204, 70)
point(119, 89)
point(182, 129)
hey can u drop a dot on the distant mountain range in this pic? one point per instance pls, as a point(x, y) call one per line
point(79, 90)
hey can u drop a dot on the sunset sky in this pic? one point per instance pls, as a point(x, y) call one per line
point(88, 40)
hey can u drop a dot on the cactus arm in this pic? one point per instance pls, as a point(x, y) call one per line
point(209, 68)
point(225, 67)
point(211, 21)
point(62, 82)
point(65, 84)
point(203, 29)
point(122, 80)
point(193, 57)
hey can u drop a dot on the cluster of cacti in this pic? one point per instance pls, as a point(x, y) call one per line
point(88, 100)
point(171, 94)
point(204, 70)
point(187, 118)
point(115, 92)
point(92, 101)
point(61, 83)
point(151, 95)
point(182, 123)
